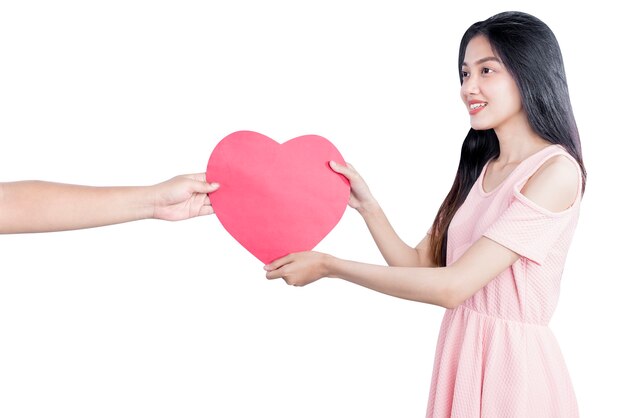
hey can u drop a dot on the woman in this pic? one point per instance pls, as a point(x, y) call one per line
point(496, 249)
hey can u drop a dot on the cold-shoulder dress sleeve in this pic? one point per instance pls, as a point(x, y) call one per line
point(528, 229)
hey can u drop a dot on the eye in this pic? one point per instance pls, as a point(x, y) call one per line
point(486, 70)
point(464, 74)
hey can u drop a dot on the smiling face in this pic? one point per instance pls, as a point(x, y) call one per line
point(488, 90)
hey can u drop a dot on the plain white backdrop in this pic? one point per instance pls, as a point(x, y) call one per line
point(158, 319)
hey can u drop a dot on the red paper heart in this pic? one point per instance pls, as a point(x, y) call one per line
point(276, 199)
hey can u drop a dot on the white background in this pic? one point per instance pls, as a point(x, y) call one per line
point(158, 319)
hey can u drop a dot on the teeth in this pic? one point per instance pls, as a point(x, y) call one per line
point(477, 105)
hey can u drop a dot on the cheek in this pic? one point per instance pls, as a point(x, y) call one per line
point(503, 94)
point(513, 103)
point(512, 95)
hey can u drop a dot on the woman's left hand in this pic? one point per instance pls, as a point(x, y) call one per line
point(299, 269)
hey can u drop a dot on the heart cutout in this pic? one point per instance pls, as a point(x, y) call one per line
point(276, 199)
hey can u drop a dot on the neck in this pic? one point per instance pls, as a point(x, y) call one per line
point(518, 141)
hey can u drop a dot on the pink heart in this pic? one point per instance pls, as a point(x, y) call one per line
point(276, 199)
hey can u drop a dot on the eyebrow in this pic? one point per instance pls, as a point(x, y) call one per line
point(483, 60)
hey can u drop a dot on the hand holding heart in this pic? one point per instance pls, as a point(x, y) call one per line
point(182, 197)
point(299, 269)
point(361, 198)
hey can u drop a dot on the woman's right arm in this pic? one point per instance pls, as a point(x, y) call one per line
point(395, 251)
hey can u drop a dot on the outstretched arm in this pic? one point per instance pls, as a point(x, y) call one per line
point(443, 286)
point(38, 206)
point(395, 251)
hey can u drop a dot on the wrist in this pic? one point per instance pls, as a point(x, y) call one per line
point(147, 203)
point(329, 265)
point(369, 208)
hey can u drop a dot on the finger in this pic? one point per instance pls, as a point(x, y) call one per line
point(200, 184)
point(204, 187)
point(211, 187)
point(278, 263)
point(275, 274)
point(347, 170)
point(206, 203)
point(206, 210)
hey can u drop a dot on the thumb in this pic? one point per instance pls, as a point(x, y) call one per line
point(204, 187)
point(212, 187)
point(347, 170)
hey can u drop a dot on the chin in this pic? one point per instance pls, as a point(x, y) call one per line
point(480, 126)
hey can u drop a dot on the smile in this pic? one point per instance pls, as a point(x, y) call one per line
point(476, 107)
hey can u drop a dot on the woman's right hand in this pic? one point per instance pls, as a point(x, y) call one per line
point(361, 198)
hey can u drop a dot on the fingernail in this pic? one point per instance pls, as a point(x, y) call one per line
point(266, 268)
point(215, 185)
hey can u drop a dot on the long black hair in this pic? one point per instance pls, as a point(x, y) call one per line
point(530, 52)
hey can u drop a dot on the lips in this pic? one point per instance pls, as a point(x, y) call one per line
point(476, 106)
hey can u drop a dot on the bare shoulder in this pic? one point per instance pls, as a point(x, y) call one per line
point(554, 186)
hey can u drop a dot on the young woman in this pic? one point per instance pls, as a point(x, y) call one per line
point(38, 206)
point(496, 249)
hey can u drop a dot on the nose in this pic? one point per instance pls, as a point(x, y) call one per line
point(469, 86)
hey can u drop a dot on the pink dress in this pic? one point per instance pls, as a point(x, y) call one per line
point(496, 356)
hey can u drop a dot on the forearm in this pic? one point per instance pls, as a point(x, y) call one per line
point(446, 286)
point(37, 206)
point(427, 285)
point(394, 250)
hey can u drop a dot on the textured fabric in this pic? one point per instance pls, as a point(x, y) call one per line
point(496, 356)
